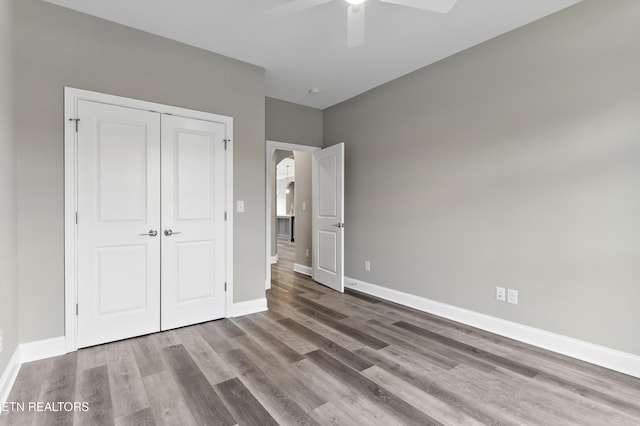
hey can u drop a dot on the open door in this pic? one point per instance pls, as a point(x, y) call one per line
point(328, 216)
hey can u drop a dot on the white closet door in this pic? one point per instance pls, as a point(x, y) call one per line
point(118, 255)
point(193, 221)
point(328, 216)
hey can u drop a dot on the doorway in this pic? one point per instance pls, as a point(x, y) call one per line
point(289, 214)
point(321, 256)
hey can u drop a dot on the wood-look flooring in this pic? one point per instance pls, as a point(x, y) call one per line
point(319, 357)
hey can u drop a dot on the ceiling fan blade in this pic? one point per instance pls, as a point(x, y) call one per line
point(441, 6)
point(355, 25)
point(294, 6)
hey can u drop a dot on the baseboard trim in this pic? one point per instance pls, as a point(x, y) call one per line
point(303, 269)
point(41, 349)
point(274, 259)
point(248, 307)
point(27, 352)
point(595, 354)
point(10, 374)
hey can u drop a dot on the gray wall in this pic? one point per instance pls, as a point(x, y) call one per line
point(292, 123)
point(515, 163)
point(8, 242)
point(303, 217)
point(57, 47)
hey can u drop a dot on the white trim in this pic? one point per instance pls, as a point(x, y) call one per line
point(270, 146)
point(41, 349)
point(28, 352)
point(274, 259)
point(303, 269)
point(10, 374)
point(230, 215)
point(71, 98)
point(606, 357)
point(249, 307)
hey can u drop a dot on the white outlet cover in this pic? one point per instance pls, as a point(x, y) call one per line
point(512, 296)
point(367, 265)
point(501, 294)
point(240, 206)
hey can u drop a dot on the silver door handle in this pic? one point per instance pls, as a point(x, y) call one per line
point(151, 233)
point(338, 225)
point(169, 232)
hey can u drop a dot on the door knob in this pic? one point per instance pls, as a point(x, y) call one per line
point(169, 232)
point(338, 225)
point(151, 233)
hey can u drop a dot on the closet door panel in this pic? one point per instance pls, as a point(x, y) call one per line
point(193, 221)
point(118, 204)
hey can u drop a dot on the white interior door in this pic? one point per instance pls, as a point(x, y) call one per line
point(193, 221)
point(118, 205)
point(328, 216)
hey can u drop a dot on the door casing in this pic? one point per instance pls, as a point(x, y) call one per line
point(71, 98)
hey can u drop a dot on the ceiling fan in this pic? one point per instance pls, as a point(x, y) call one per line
point(355, 12)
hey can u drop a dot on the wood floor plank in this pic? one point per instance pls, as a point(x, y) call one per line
point(59, 386)
point(127, 392)
point(244, 406)
point(281, 407)
point(147, 354)
point(26, 388)
point(330, 346)
point(277, 345)
point(167, 403)
point(442, 349)
point(423, 352)
point(441, 411)
point(464, 347)
point(204, 403)
point(352, 332)
point(292, 340)
point(345, 402)
point(94, 389)
point(215, 337)
point(91, 357)
point(278, 370)
point(209, 362)
point(379, 395)
point(429, 387)
point(139, 418)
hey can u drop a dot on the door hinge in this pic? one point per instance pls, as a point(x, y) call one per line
point(225, 286)
point(226, 141)
point(225, 215)
point(76, 120)
point(76, 309)
point(76, 218)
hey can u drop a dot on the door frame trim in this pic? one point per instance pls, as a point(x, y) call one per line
point(71, 98)
point(270, 146)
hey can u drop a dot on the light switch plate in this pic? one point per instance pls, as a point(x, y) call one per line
point(240, 206)
point(512, 296)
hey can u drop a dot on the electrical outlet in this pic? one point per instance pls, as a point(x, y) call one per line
point(367, 265)
point(512, 296)
point(307, 252)
point(501, 294)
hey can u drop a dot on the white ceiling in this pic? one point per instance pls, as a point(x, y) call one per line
point(308, 49)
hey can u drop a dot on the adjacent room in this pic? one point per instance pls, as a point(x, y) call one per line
point(349, 212)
